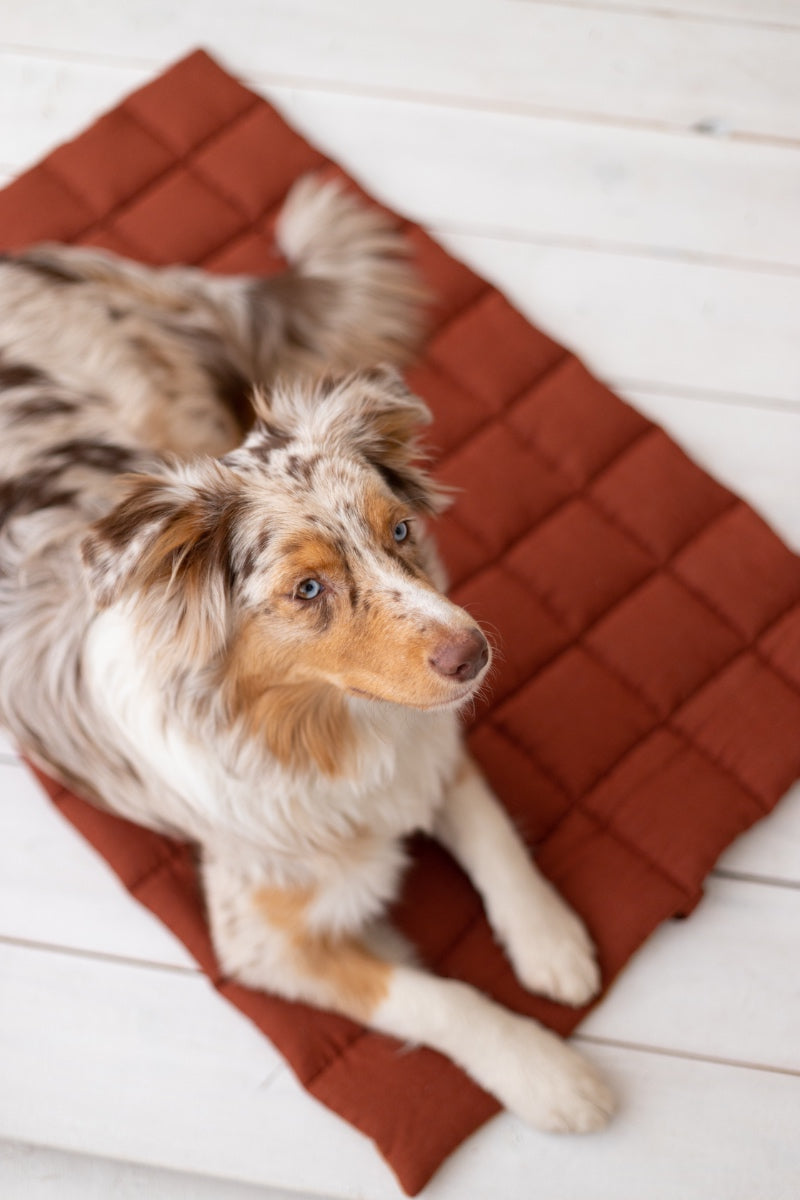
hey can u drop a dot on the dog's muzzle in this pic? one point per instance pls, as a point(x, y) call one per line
point(461, 657)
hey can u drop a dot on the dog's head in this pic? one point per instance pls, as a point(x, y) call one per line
point(297, 568)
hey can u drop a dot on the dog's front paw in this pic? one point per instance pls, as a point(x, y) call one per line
point(574, 1099)
point(554, 1088)
point(553, 954)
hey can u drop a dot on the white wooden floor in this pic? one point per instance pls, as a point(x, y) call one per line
point(629, 171)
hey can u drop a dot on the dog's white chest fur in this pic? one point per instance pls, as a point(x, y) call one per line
point(404, 761)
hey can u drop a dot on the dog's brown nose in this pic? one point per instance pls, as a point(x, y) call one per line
point(462, 656)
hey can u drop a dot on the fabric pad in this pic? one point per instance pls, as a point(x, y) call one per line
point(646, 708)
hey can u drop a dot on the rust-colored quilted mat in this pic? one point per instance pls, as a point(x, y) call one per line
point(647, 708)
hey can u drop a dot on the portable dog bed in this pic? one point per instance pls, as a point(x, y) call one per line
point(647, 705)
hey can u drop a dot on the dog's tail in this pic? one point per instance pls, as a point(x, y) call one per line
point(358, 300)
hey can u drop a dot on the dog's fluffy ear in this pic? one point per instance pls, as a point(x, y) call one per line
point(372, 413)
point(168, 545)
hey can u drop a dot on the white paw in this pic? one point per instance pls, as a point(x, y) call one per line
point(552, 953)
point(552, 1087)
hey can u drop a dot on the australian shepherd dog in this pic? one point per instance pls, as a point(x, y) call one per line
point(221, 616)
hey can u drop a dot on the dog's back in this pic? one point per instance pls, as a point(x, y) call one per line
point(109, 368)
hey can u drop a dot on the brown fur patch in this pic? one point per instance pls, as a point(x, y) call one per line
point(32, 491)
point(184, 571)
point(304, 723)
point(95, 453)
point(353, 980)
point(292, 662)
point(17, 374)
point(37, 407)
point(48, 268)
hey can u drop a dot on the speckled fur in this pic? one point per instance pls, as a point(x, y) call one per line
point(158, 520)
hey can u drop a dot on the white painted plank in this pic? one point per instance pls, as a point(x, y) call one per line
point(530, 176)
point(615, 307)
point(41, 1173)
point(689, 1129)
point(167, 1081)
point(602, 63)
point(639, 320)
point(728, 329)
point(44, 102)
point(562, 180)
point(781, 13)
point(54, 888)
point(151, 1066)
point(685, 1129)
point(697, 986)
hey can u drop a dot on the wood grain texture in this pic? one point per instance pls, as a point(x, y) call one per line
point(629, 170)
point(39, 1173)
point(198, 1097)
point(597, 63)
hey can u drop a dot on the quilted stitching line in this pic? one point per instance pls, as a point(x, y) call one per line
point(579, 638)
point(604, 827)
point(631, 686)
point(572, 798)
point(193, 169)
point(466, 931)
point(251, 224)
point(106, 220)
point(436, 962)
point(581, 493)
point(613, 670)
point(165, 863)
point(767, 658)
point(47, 168)
point(523, 393)
point(450, 318)
point(666, 722)
point(667, 564)
point(252, 103)
point(683, 585)
point(750, 641)
point(252, 227)
point(339, 1055)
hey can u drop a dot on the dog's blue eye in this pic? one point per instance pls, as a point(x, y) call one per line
point(400, 531)
point(309, 589)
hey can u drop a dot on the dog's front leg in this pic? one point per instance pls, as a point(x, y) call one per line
point(548, 945)
point(275, 938)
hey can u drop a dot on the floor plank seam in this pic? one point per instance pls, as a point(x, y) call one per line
point(687, 1055)
point(260, 80)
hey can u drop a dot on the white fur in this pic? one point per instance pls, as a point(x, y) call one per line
point(110, 366)
point(547, 944)
point(530, 1070)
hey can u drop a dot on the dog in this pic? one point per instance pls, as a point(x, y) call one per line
point(222, 616)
